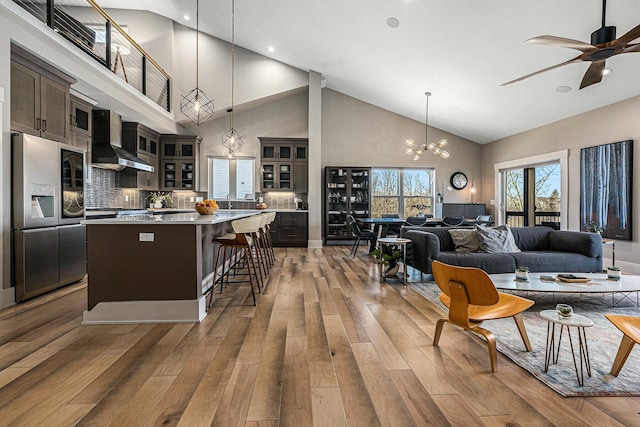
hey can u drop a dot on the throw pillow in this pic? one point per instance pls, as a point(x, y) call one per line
point(465, 240)
point(496, 239)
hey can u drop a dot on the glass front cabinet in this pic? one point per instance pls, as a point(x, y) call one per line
point(346, 192)
point(179, 162)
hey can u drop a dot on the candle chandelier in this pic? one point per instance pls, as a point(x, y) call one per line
point(435, 147)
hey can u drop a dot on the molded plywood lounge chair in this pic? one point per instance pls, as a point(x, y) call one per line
point(472, 298)
point(630, 327)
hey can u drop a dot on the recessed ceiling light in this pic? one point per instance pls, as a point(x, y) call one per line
point(606, 71)
point(186, 17)
point(563, 89)
point(271, 49)
point(393, 22)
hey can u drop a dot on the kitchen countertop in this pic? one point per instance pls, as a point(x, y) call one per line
point(178, 218)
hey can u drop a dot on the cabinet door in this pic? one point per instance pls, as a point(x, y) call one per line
point(169, 150)
point(186, 174)
point(284, 173)
point(83, 142)
point(168, 175)
point(80, 118)
point(269, 152)
point(148, 180)
point(300, 177)
point(187, 149)
point(300, 152)
point(54, 110)
point(285, 152)
point(268, 176)
point(25, 100)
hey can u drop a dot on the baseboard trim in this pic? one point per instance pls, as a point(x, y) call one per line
point(314, 244)
point(7, 297)
point(182, 311)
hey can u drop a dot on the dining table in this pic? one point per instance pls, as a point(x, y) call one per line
point(380, 227)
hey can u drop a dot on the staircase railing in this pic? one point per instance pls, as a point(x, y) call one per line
point(85, 24)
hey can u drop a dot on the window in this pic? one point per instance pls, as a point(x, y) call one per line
point(232, 178)
point(400, 191)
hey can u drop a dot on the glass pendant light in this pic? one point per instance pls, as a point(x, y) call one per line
point(232, 139)
point(417, 151)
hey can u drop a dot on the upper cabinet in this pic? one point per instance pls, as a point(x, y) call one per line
point(179, 162)
point(144, 143)
point(80, 119)
point(283, 164)
point(39, 103)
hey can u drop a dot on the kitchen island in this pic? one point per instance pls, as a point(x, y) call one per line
point(152, 269)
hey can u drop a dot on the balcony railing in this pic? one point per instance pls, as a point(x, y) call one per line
point(550, 219)
point(89, 27)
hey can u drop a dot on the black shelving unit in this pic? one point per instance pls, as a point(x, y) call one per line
point(347, 191)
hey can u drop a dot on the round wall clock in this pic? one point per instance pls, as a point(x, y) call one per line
point(459, 180)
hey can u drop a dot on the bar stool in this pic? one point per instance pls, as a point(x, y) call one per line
point(265, 240)
point(271, 216)
point(243, 242)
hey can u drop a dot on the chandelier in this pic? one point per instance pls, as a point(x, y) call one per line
point(196, 104)
point(232, 140)
point(435, 147)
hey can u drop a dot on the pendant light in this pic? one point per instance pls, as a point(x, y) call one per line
point(196, 104)
point(232, 140)
point(436, 148)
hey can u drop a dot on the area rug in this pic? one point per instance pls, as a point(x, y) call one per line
point(603, 340)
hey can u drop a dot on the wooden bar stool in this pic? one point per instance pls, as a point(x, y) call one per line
point(239, 242)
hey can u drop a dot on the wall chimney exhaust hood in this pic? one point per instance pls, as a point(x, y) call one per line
point(106, 150)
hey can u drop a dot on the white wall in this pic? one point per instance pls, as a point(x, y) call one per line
point(285, 117)
point(355, 133)
point(616, 122)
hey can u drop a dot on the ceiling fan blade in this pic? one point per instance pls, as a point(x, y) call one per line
point(627, 37)
point(593, 74)
point(563, 42)
point(632, 48)
point(576, 59)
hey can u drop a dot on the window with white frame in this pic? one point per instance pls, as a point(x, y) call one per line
point(233, 178)
point(405, 191)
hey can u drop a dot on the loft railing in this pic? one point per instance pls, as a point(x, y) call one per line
point(89, 27)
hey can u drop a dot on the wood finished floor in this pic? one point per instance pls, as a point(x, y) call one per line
point(327, 345)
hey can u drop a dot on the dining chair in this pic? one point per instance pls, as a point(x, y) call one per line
point(417, 220)
point(453, 220)
point(483, 220)
point(359, 234)
point(630, 328)
point(392, 228)
point(472, 298)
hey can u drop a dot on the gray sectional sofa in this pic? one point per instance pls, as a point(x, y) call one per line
point(542, 249)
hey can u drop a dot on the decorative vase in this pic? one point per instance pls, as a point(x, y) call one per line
point(437, 210)
point(157, 205)
point(522, 275)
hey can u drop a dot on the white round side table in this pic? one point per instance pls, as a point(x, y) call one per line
point(551, 353)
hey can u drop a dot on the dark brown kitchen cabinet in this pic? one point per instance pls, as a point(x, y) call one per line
point(178, 146)
point(179, 162)
point(277, 176)
point(144, 143)
point(284, 164)
point(39, 103)
point(290, 229)
point(301, 177)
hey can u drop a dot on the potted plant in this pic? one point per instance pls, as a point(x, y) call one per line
point(422, 208)
point(389, 256)
point(158, 200)
point(592, 227)
point(614, 273)
point(564, 310)
point(522, 273)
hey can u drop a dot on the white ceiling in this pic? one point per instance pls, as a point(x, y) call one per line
point(461, 51)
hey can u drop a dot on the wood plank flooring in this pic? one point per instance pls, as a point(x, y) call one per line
point(327, 345)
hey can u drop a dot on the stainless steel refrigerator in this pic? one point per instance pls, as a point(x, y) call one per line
point(49, 243)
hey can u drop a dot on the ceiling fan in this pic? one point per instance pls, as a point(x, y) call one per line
point(603, 45)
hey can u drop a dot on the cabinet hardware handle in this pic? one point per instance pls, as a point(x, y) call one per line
point(38, 124)
point(44, 124)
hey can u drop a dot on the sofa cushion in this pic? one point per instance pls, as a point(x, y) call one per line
point(532, 238)
point(491, 263)
point(558, 262)
point(496, 240)
point(465, 240)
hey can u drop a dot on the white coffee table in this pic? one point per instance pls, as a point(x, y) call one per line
point(599, 284)
point(551, 353)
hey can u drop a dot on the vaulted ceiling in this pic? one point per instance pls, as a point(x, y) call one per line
point(461, 51)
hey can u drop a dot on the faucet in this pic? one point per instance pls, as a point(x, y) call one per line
point(228, 201)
